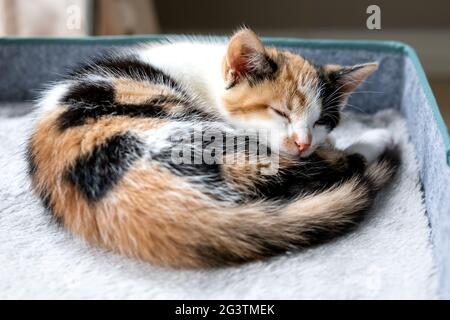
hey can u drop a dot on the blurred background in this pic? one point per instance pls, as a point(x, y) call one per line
point(423, 24)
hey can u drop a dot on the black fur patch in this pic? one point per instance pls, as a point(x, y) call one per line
point(331, 100)
point(96, 173)
point(126, 66)
point(266, 71)
point(100, 92)
point(85, 101)
point(79, 114)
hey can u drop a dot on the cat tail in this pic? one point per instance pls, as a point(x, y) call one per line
point(216, 236)
point(381, 172)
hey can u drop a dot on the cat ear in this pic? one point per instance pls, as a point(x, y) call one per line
point(245, 58)
point(346, 79)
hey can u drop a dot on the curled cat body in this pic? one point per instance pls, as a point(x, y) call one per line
point(101, 154)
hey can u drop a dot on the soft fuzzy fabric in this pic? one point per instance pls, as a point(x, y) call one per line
point(388, 256)
point(434, 170)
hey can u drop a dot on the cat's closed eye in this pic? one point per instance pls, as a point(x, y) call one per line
point(319, 122)
point(280, 113)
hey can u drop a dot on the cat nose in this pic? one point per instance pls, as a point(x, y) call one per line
point(303, 142)
point(302, 147)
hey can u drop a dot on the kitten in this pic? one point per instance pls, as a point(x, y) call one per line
point(102, 158)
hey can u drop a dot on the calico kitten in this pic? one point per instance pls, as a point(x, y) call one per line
point(101, 153)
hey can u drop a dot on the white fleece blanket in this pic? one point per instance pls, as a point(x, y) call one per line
point(388, 256)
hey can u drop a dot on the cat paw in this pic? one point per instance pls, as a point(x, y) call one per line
point(372, 144)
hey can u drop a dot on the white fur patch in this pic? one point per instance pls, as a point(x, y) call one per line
point(52, 97)
point(372, 144)
point(196, 65)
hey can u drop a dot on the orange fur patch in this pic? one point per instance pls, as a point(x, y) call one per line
point(130, 91)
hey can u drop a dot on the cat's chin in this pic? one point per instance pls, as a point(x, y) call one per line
point(297, 154)
point(307, 153)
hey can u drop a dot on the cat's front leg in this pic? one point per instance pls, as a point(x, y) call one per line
point(372, 144)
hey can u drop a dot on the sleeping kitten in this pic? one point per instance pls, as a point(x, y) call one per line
point(102, 154)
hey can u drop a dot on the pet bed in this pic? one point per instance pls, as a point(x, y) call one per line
point(402, 249)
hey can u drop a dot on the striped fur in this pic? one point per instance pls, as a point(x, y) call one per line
point(101, 155)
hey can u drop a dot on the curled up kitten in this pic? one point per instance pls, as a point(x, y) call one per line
point(194, 153)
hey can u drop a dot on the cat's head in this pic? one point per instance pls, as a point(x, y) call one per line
point(298, 102)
